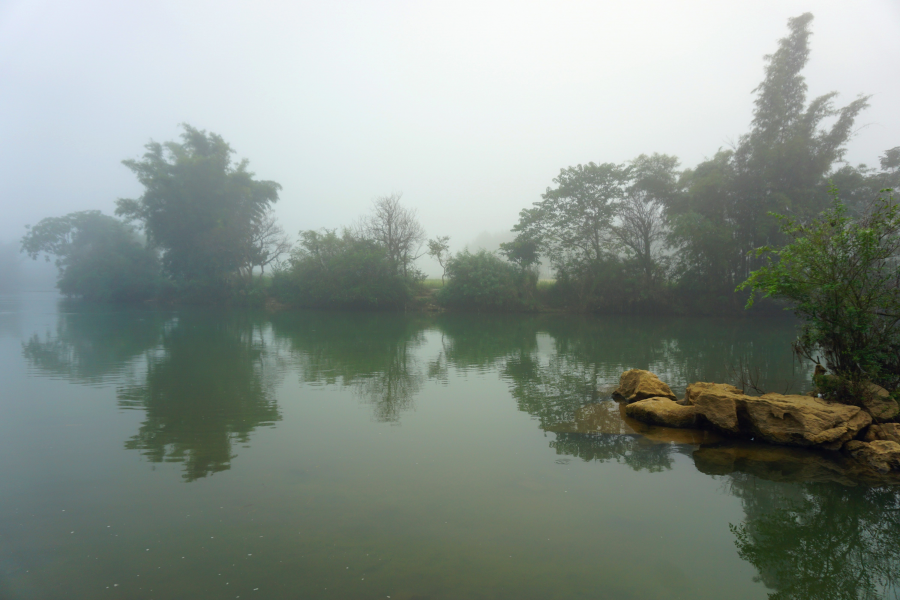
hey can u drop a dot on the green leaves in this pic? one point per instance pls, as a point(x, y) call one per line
point(198, 207)
point(842, 277)
point(99, 257)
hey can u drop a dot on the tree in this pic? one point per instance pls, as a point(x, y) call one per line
point(842, 278)
point(198, 207)
point(267, 242)
point(439, 249)
point(99, 257)
point(395, 227)
point(573, 222)
point(573, 225)
point(861, 185)
point(780, 164)
point(640, 215)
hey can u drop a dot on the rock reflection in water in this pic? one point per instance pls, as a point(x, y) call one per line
point(601, 432)
point(781, 463)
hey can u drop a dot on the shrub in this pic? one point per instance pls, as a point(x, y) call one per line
point(484, 281)
point(328, 270)
point(842, 278)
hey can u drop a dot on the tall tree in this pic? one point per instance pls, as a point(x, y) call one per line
point(780, 164)
point(198, 206)
point(641, 224)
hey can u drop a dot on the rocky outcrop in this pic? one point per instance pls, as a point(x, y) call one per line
point(694, 389)
point(877, 402)
point(803, 421)
point(883, 431)
point(637, 384)
point(790, 420)
point(881, 455)
point(718, 404)
point(663, 411)
point(778, 419)
point(871, 450)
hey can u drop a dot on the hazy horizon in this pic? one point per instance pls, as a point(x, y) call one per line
point(469, 109)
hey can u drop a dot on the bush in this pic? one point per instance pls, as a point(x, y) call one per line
point(842, 278)
point(332, 271)
point(484, 281)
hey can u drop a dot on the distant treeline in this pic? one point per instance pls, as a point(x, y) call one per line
point(642, 236)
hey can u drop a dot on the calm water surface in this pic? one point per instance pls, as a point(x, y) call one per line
point(232, 454)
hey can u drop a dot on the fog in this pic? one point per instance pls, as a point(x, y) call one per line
point(469, 108)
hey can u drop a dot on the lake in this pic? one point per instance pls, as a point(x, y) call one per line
point(202, 453)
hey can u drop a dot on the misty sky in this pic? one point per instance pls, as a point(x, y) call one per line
point(469, 108)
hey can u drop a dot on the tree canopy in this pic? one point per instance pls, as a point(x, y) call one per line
point(198, 207)
point(99, 257)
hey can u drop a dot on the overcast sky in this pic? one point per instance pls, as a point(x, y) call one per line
point(469, 108)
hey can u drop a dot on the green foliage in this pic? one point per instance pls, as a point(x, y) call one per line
point(523, 252)
point(198, 207)
point(640, 216)
point(484, 281)
point(328, 270)
point(780, 166)
point(842, 277)
point(99, 258)
point(572, 223)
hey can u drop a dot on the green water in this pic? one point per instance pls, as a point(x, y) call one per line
point(225, 454)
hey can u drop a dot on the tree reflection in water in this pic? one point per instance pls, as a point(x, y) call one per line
point(212, 385)
point(372, 354)
point(633, 450)
point(93, 345)
point(820, 541)
point(205, 380)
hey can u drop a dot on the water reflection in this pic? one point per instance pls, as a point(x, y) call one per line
point(820, 541)
point(10, 315)
point(205, 381)
point(209, 388)
point(374, 355)
point(634, 451)
point(92, 346)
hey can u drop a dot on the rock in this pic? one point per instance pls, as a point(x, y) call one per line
point(789, 420)
point(884, 431)
point(637, 384)
point(663, 411)
point(718, 405)
point(803, 421)
point(694, 389)
point(878, 403)
point(881, 455)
